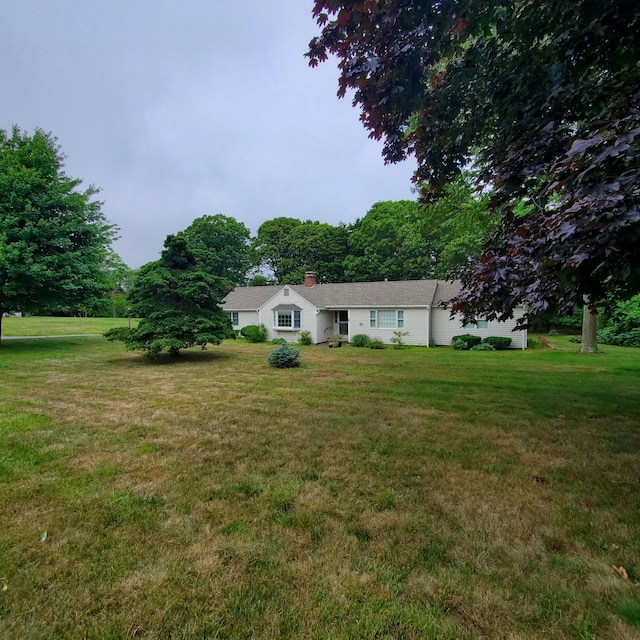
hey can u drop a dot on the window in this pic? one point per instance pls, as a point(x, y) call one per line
point(286, 319)
point(480, 323)
point(386, 319)
point(233, 316)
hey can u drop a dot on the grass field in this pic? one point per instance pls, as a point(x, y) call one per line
point(415, 493)
point(49, 326)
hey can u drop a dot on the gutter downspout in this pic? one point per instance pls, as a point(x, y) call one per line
point(428, 326)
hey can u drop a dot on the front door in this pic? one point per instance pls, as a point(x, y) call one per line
point(343, 323)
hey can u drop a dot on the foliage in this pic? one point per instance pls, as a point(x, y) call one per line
point(398, 339)
point(498, 342)
point(387, 243)
point(278, 341)
point(460, 345)
point(543, 96)
point(575, 339)
point(471, 340)
point(289, 248)
point(305, 338)
point(623, 325)
point(336, 337)
point(255, 332)
point(377, 344)
point(485, 346)
point(260, 280)
point(360, 340)
point(54, 238)
point(221, 246)
point(177, 300)
point(285, 357)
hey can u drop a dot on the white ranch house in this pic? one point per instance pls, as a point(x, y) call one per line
point(376, 309)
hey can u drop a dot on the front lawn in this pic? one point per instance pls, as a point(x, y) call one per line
point(415, 493)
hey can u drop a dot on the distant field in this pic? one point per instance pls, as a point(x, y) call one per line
point(47, 326)
point(416, 493)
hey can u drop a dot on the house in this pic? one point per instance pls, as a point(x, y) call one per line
point(373, 308)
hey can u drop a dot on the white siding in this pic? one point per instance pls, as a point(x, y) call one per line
point(307, 316)
point(415, 322)
point(245, 318)
point(444, 328)
point(325, 327)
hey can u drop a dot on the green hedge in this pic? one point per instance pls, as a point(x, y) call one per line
point(471, 341)
point(498, 342)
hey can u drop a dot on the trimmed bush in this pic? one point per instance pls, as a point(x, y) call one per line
point(304, 337)
point(254, 333)
point(498, 342)
point(361, 340)
point(610, 335)
point(377, 344)
point(460, 345)
point(285, 357)
point(472, 341)
point(485, 346)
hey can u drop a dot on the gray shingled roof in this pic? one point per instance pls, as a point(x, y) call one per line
point(249, 298)
point(404, 293)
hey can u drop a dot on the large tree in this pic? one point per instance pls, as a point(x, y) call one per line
point(288, 247)
point(402, 240)
point(544, 97)
point(388, 243)
point(177, 299)
point(221, 245)
point(54, 237)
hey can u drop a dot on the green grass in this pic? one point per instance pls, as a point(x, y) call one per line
point(49, 326)
point(414, 493)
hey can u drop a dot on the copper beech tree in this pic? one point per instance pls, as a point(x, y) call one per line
point(543, 97)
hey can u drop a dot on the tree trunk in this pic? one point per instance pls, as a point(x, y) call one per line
point(589, 329)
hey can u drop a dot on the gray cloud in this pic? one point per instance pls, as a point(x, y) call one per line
point(181, 109)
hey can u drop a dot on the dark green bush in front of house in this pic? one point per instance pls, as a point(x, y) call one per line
point(285, 357)
point(471, 341)
point(361, 340)
point(498, 342)
point(377, 344)
point(460, 345)
point(254, 333)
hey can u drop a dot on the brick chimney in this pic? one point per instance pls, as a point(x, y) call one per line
point(310, 279)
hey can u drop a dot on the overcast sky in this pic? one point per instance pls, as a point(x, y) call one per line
point(178, 109)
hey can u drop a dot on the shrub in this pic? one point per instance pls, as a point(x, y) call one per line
point(285, 357)
point(485, 346)
point(305, 337)
point(254, 333)
point(472, 341)
point(498, 342)
point(278, 341)
point(576, 339)
point(377, 344)
point(623, 327)
point(361, 340)
point(459, 344)
point(622, 339)
point(398, 339)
